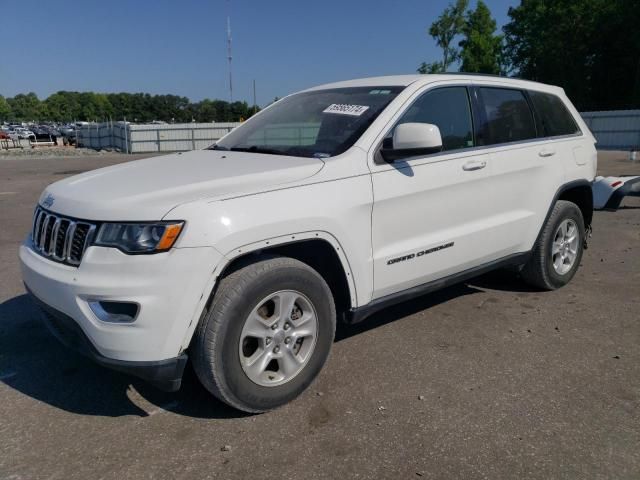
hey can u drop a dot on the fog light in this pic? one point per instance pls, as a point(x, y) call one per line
point(114, 312)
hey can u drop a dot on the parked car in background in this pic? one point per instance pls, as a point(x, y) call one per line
point(44, 134)
point(68, 133)
point(23, 133)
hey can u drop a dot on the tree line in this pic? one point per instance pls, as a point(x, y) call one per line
point(135, 107)
point(591, 48)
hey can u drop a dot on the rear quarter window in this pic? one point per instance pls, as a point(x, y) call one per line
point(554, 119)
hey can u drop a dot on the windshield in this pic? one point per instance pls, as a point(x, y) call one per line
point(319, 123)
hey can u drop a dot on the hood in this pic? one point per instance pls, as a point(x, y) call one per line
point(147, 189)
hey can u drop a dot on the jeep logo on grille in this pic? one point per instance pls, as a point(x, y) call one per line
point(48, 202)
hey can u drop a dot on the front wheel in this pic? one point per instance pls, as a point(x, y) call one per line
point(267, 334)
point(558, 251)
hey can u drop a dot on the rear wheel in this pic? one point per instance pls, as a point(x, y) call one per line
point(266, 336)
point(558, 251)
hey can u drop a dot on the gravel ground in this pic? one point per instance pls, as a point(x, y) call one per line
point(51, 152)
point(488, 379)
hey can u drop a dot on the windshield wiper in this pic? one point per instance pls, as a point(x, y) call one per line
point(257, 149)
point(216, 147)
point(290, 152)
point(300, 152)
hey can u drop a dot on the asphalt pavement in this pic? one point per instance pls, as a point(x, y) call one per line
point(487, 379)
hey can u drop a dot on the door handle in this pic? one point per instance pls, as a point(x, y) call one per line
point(546, 153)
point(474, 165)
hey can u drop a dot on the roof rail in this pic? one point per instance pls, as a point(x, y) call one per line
point(478, 75)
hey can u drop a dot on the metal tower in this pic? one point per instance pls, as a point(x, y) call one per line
point(229, 56)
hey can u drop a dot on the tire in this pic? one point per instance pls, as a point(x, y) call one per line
point(541, 270)
point(221, 349)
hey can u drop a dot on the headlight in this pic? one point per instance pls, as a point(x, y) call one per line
point(139, 237)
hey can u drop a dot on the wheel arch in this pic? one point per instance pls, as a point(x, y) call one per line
point(318, 249)
point(578, 192)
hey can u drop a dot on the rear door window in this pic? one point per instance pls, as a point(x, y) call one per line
point(553, 117)
point(505, 116)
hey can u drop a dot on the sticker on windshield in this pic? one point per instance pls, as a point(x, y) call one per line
point(344, 109)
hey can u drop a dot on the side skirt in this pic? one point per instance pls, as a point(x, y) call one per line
point(359, 314)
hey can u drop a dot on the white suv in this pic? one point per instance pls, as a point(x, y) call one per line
point(331, 203)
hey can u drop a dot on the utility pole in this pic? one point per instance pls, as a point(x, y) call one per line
point(229, 56)
point(255, 104)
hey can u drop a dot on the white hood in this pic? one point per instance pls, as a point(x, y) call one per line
point(147, 189)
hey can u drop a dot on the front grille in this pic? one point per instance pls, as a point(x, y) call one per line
point(59, 238)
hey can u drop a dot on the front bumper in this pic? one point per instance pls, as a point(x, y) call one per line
point(170, 289)
point(163, 374)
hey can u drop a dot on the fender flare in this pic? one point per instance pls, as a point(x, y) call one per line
point(291, 238)
point(265, 244)
point(562, 189)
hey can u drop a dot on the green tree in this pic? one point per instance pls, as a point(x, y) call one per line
point(434, 67)
point(444, 30)
point(170, 107)
point(25, 107)
point(239, 110)
point(94, 106)
point(589, 47)
point(63, 106)
point(481, 48)
point(5, 109)
point(206, 111)
point(138, 107)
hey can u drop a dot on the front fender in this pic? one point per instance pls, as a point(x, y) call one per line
point(336, 211)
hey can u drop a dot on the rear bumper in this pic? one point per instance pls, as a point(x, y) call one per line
point(630, 188)
point(163, 374)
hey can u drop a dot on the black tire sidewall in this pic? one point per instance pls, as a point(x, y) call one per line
point(228, 367)
point(566, 211)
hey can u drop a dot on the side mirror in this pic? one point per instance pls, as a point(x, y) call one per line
point(413, 139)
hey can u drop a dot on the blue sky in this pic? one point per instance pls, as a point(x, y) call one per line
point(179, 47)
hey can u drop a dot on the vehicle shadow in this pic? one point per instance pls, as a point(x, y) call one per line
point(401, 310)
point(505, 280)
point(33, 363)
point(501, 279)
